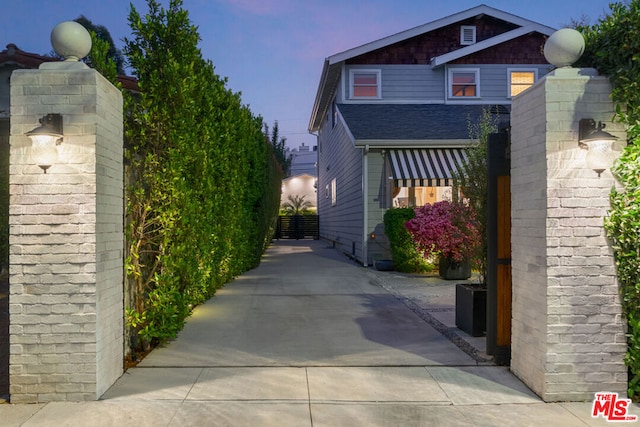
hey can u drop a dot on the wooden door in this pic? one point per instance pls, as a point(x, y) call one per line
point(499, 248)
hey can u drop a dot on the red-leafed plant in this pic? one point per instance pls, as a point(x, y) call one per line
point(446, 229)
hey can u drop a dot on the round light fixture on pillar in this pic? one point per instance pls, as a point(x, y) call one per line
point(599, 144)
point(45, 140)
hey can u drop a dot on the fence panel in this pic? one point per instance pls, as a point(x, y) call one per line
point(298, 227)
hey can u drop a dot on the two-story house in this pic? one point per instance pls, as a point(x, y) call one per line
point(392, 116)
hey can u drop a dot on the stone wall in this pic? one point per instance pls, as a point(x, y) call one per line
point(66, 239)
point(568, 332)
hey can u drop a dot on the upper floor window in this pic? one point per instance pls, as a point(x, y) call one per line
point(519, 80)
point(464, 83)
point(365, 84)
point(467, 34)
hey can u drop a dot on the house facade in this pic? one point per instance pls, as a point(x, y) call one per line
point(392, 116)
point(300, 186)
point(302, 179)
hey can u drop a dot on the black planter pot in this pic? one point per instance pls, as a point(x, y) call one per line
point(384, 265)
point(471, 309)
point(451, 270)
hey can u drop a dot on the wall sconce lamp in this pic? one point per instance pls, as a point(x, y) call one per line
point(45, 140)
point(598, 142)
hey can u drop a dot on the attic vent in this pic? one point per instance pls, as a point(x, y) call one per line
point(467, 34)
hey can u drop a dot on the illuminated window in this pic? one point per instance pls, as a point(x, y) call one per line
point(365, 83)
point(405, 197)
point(520, 80)
point(464, 83)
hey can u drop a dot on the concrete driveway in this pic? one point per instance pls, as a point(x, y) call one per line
point(306, 305)
point(310, 338)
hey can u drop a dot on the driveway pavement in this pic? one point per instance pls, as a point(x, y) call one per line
point(310, 338)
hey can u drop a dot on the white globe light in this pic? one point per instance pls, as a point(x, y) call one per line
point(564, 47)
point(70, 40)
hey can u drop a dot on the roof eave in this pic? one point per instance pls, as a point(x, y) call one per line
point(412, 143)
point(328, 82)
point(430, 26)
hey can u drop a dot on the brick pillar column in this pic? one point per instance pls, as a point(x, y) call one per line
point(568, 332)
point(66, 238)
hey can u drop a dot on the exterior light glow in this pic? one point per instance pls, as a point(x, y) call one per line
point(45, 140)
point(599, 144)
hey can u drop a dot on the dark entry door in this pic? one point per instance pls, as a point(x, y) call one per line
point(499, 248)
point(4, 259)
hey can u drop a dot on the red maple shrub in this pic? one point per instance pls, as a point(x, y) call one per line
point(445, 229)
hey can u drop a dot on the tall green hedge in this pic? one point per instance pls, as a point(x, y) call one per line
point(613, 47)
point(203, 185)
point(406, 257)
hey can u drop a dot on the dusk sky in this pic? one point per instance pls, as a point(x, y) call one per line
point(272, 51)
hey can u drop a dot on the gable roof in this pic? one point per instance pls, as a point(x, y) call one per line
point(333, 64)
point(413, 124)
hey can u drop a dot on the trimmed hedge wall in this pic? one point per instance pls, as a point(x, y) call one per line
point(203, 184)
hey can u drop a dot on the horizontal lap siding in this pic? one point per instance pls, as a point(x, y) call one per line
point(412, 82)
point(338, 158)
point(421, 83)
point(378, 203)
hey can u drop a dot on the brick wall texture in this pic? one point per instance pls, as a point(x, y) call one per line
point(66, 239)
point(568, 338)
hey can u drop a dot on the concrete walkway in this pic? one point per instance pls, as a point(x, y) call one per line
point(309, 338)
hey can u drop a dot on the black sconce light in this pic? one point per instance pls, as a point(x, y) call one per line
point(45, 140)
point(598, 143)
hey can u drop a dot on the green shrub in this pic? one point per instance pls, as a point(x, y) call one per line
point(612, 47)
point(406, 257)
point(202, 181)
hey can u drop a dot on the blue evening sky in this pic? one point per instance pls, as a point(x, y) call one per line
point(272, 51)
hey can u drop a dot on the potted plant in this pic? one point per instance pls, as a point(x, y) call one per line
point(450, 230)
point(471, 180)
point(447, 230)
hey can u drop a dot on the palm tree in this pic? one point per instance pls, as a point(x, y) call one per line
point(296, 205)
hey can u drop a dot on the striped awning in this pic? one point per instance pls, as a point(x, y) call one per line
point(427, 167)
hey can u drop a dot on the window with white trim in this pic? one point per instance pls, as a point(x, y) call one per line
point(334, 190)
point(467, 34)
point(334, 114)
point(520, 80)
point(464, 83)
point(364, 84)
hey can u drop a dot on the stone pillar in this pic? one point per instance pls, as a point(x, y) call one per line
point(568, 338)
point(66, 238)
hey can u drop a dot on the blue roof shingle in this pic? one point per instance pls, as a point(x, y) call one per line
point(414, 121)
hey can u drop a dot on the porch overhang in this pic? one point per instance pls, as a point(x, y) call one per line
point(425, 167)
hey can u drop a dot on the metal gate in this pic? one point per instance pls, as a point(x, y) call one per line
point(499, 248)
point(298, 227)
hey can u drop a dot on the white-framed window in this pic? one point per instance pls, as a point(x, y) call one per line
point(334, 114)
point(467, 34)
point(365, 84)
point(464, 83)
point(334, 189)
point(521, 79)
